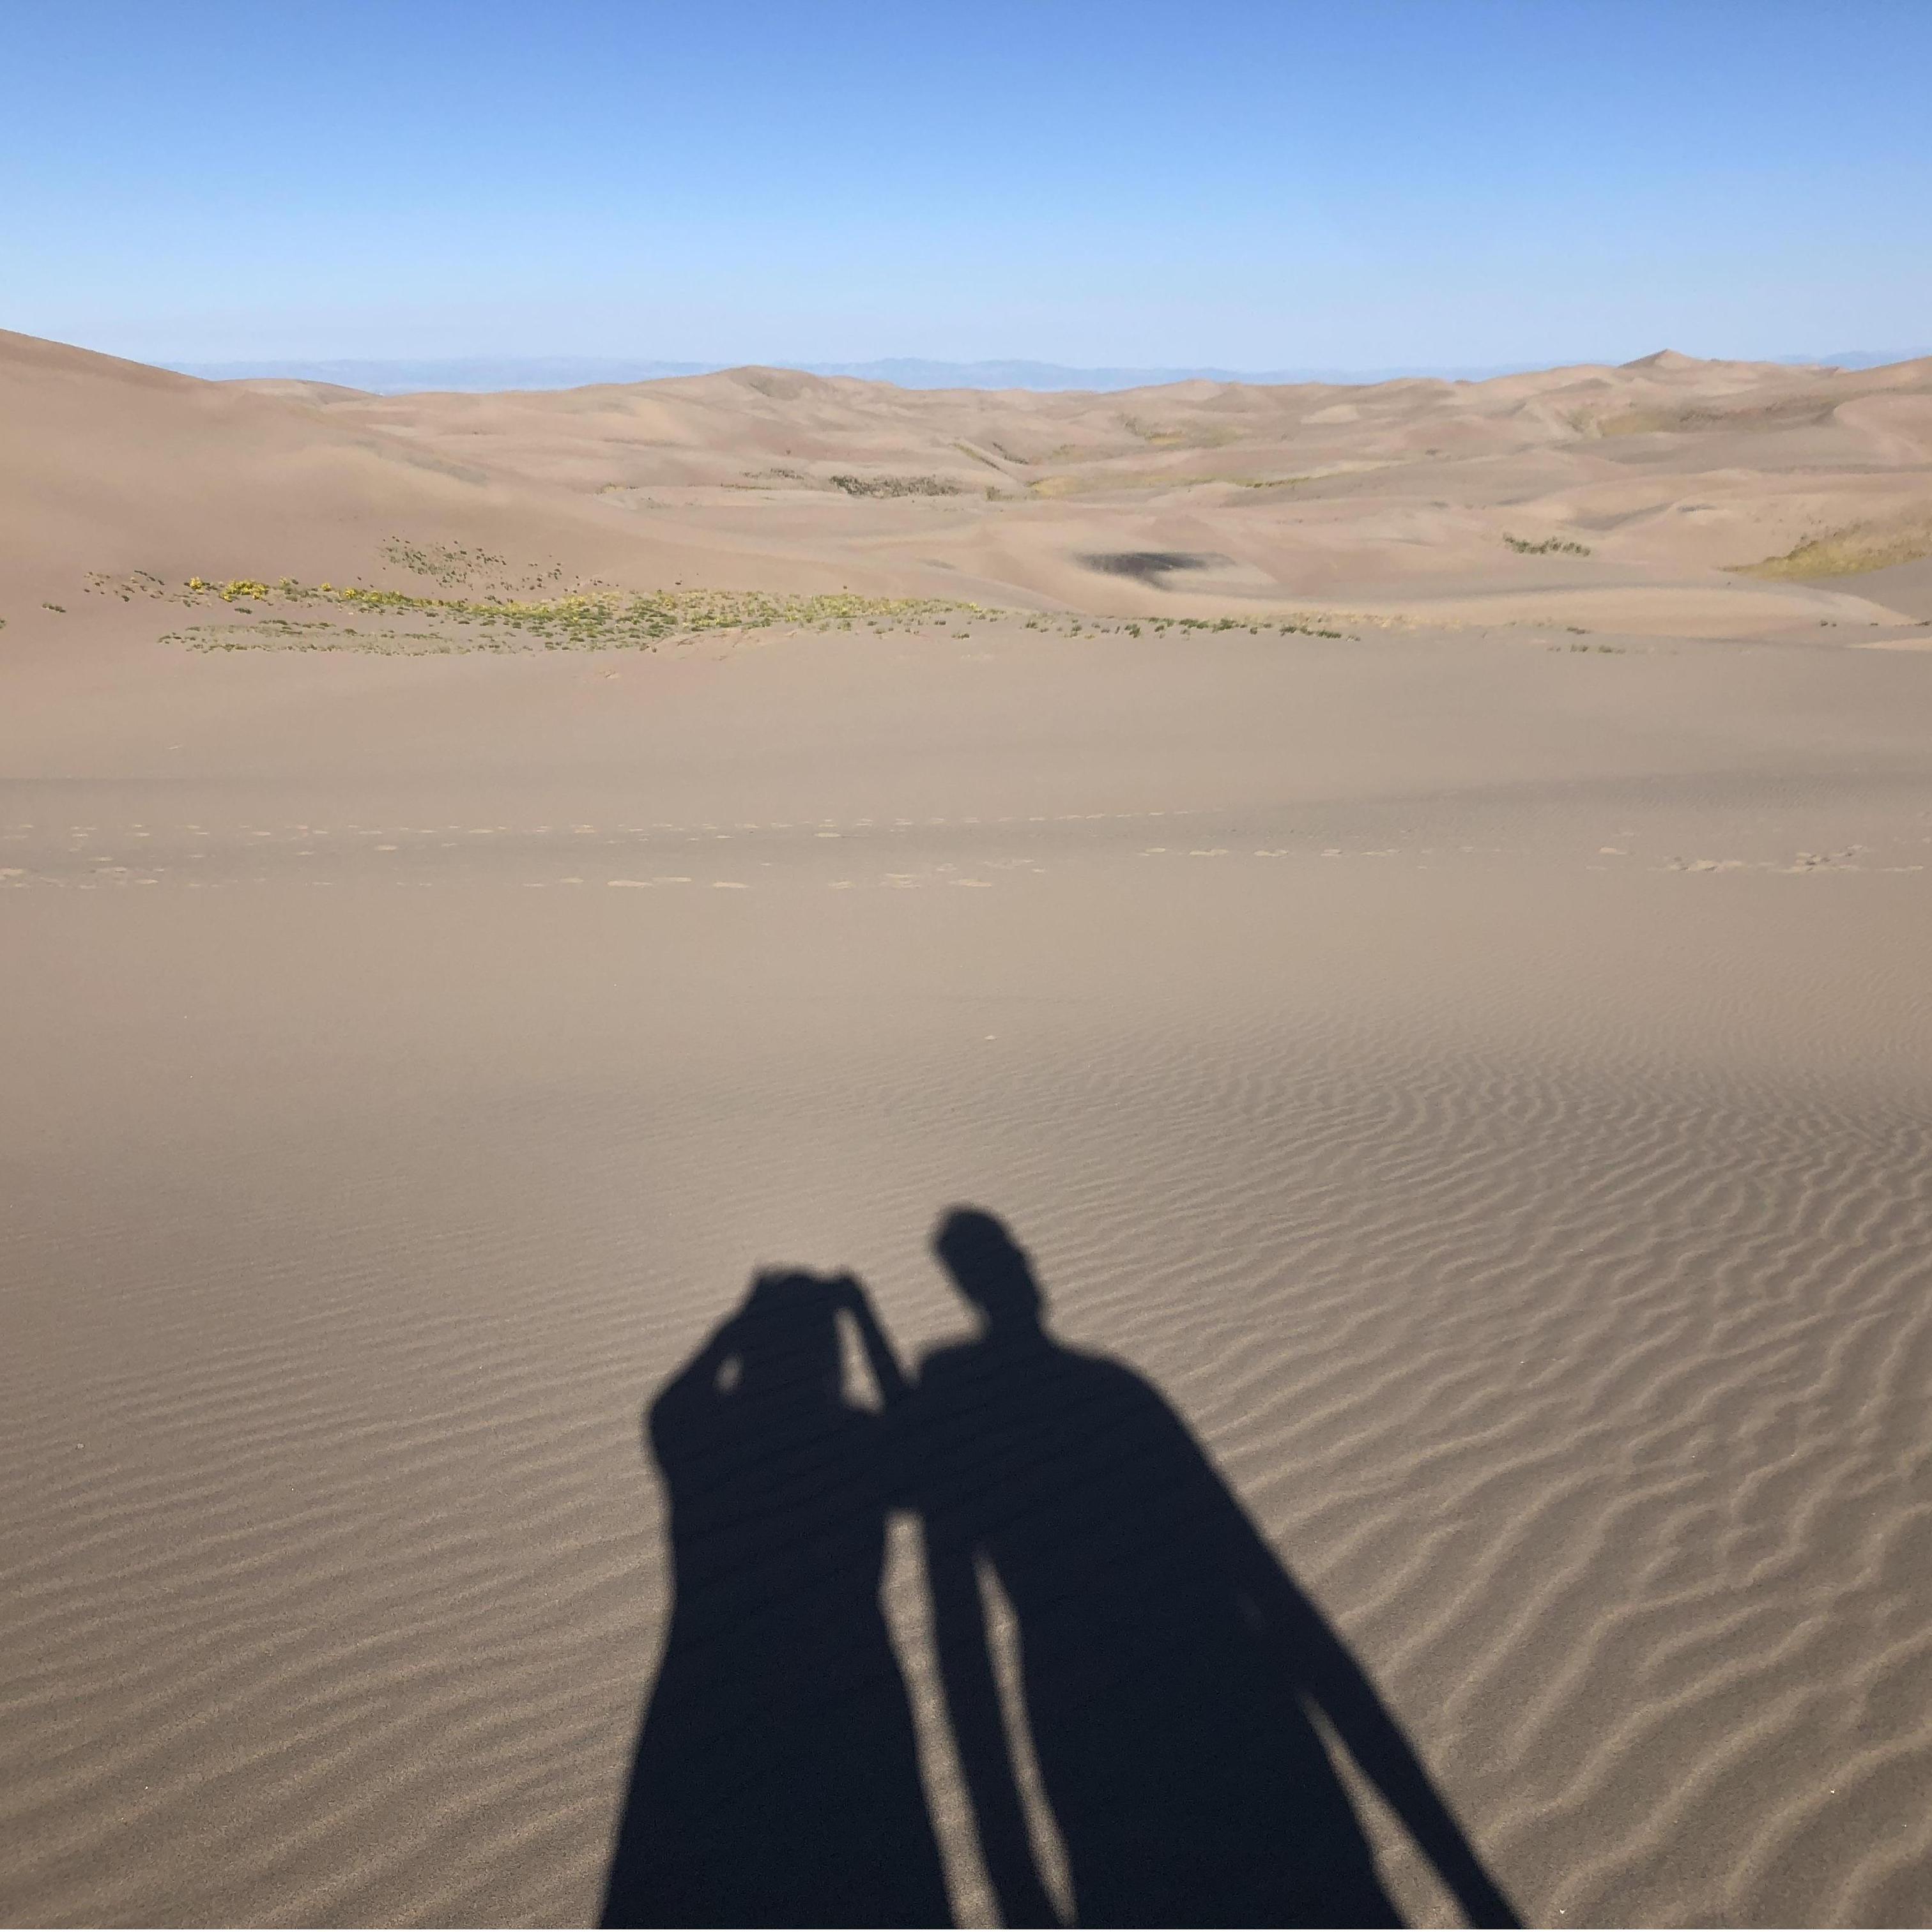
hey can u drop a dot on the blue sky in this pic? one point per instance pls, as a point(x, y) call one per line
point(1367, 185)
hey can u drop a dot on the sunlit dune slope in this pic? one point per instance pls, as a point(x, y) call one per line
point(111, 466)
point(1711, 498)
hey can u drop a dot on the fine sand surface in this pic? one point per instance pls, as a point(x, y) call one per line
point(1475, 1063)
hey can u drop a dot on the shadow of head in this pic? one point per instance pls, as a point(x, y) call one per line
point(785, 1340)
point(991, 1269)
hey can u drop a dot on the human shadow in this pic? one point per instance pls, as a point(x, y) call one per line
point(1171, 1668)
point(1171, 1671)
point(775, 1780)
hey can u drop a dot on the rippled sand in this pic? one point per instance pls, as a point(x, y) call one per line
point(1483, 1083)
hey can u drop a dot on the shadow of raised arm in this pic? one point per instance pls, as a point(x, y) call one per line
point(888, 1372)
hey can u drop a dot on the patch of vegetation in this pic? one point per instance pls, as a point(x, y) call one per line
point(1097, 482)
point(1283, 628)
point(1201, 435)
point(897, 486)
point(1160, 438)
point(977, 455)
point(1783, 412)
point(578, 620)
point(1844, 553)
point(403, 624)
point(290, 634)
point(449, 564)
point(239, 587)
point(770, 479)
point(135, 583)
point(1548, 546)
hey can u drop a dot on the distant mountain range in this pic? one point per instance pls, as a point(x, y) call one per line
point(397, 377)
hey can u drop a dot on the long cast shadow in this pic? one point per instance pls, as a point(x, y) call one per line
point(775, 1781)
point(1170, 1666)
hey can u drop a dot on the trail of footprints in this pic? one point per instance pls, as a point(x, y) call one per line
point(86, 857)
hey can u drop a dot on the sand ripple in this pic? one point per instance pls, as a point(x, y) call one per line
point(1585, 1393)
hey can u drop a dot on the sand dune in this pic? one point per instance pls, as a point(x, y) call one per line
point(112, 467)
point(1615, 497)
point(1475, 1064)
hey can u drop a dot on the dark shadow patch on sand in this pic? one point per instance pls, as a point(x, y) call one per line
point(1148, 566)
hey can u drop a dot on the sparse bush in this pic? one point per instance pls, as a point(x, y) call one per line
point(581, 620)
point(897, 486)
point(1548, 546)
point(1844, 553)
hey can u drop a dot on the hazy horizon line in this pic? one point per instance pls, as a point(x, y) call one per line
point(379, 375)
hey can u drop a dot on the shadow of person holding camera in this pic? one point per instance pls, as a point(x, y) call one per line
point(775, 1780)
point(1172, 1669)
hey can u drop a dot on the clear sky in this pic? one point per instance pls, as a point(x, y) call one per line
point(1382, 183)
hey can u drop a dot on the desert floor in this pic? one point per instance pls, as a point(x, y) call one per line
point(1465, 1042)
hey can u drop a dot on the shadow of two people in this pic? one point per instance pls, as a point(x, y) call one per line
point(1170, 1664)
